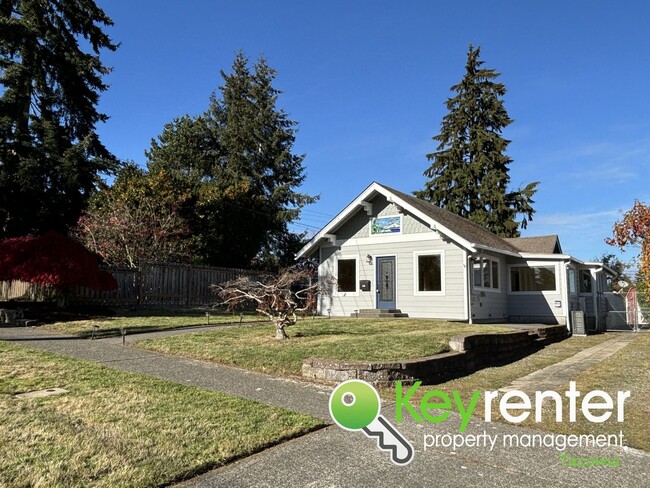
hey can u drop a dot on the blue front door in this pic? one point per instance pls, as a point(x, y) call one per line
point(385, 283)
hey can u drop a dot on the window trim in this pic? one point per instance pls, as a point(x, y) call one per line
point(576, 290)
point(535, 264)
point(401, 225)
point(491, 260)
point(354, 293)
point(416, 273)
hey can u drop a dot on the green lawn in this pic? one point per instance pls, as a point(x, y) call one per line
point(625, 370)
point(349, 339)
point(147, 321)
point(121, 429)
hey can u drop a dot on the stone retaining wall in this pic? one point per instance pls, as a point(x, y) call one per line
point(469, 353)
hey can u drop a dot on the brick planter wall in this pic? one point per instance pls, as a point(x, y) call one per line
point(469, 353)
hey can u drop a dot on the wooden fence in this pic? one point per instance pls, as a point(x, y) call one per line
point(152, 284)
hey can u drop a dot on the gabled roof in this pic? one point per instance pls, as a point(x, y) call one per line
point(471, 232)
point(538, 244)
point(467, 234)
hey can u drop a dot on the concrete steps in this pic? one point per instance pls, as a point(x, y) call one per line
point(379, 313)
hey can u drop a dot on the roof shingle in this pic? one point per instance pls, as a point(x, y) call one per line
point(466, 229)
point(537, 245)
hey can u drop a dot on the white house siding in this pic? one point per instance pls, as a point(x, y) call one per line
point(488, 304)
point(543, 307)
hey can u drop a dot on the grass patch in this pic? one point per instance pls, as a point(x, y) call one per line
point(146, 321)
point(347, 339)
point(628, 369)
point(120, 429)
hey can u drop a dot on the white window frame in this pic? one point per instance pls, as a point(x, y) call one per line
point(576, 287)
point(416, 273)
point(354, 293)
point(535, 264)
point(401, 225)
point(490, 260)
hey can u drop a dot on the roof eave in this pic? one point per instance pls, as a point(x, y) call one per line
point(536, 255)
point(376, 187)
point(494, 249)
point(340, 218)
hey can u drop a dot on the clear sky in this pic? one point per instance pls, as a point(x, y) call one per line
point(367, 82)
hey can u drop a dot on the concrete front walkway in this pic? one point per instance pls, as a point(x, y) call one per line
point(332, 457)
point(559, 374)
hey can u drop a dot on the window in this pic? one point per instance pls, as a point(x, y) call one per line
point(585, 281)
point(429, 273)
point(486, 273)
point(572, 281)
point(495, 274)
point(532, 278)
point(347, 275)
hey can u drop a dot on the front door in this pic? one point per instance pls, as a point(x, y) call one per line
point(386, 282)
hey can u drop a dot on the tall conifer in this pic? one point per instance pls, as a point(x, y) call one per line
point(50, 154)
point(469, 169)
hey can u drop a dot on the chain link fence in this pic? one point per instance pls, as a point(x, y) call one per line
point(627, 311)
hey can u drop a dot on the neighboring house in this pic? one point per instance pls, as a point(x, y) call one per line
point(390, 250)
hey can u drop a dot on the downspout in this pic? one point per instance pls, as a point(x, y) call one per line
point(567, 297)
point(468, 287)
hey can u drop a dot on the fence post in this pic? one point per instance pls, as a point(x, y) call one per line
point(188, 293)
point(141, 284)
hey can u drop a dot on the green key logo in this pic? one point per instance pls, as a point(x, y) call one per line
point(355, 405)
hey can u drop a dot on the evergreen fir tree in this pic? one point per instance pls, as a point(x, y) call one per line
point(237, 159)
point(469, 170)
point(50, 154)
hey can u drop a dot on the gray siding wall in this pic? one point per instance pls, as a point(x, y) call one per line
point(488, 304)
point(358, 226)
point(354, 241)
point(539, 306)
point(450, 305)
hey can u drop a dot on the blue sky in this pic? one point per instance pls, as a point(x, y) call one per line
point(367, 82)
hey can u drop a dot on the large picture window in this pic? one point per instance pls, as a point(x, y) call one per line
point(429, 276)
point(532, 278)
point(346, 275)
point(486, 273)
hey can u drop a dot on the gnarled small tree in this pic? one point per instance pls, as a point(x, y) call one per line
point(280, 297)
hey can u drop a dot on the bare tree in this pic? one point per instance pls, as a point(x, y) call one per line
point(281, 297)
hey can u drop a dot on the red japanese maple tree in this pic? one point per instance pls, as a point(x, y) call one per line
point(52, 259)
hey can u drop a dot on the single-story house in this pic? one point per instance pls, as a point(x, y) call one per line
point(392, 253)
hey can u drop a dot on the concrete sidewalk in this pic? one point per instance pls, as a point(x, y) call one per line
point(559, 374)
point(295, 395)
point(334, 458)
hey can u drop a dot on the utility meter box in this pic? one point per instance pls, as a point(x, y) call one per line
point(578, 322)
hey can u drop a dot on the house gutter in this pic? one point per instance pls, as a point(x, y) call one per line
point(495, 250)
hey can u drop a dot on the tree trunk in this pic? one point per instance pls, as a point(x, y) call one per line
point(280, 333)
